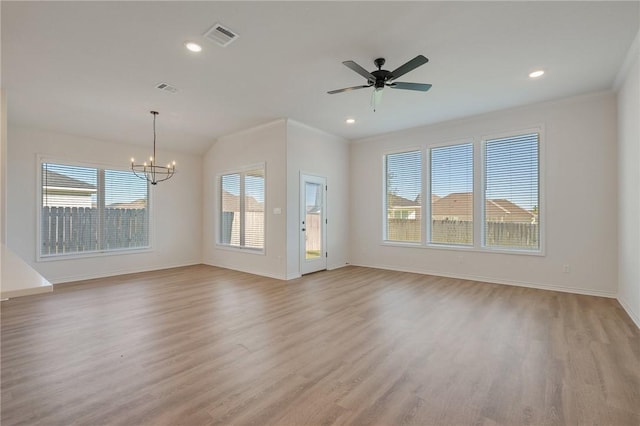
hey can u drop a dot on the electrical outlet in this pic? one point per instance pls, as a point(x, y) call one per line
point(565, 268)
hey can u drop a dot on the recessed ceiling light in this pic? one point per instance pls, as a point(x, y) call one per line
point(536, 74)
point(350, 120)
point(194, 47)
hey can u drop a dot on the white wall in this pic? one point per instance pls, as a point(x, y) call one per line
point(581, 202)
point(314, 152)
point(3, 167)
point(263, 144)
point(629, 187)
point(176, 205)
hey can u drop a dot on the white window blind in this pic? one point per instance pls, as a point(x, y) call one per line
point(86, 209)
point(242, 215)
point(254, 209)
point(452, 194)
point(511, 193)
point(403, 188)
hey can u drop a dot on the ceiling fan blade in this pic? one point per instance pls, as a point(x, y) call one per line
point(409, 66)
point(348, 89)
point(357, 68)
point(420, 87)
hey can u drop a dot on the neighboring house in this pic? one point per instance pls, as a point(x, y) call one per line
point(434, 198)
point(231, 203)
point(402, 208)
point(459, 207)
point(501, 210)
point(60, 190)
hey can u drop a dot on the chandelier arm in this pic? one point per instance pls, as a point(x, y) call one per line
point(153, 173)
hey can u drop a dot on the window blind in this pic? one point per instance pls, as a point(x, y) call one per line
point(85, 209)
point(254, 209)
point(403, 188)
point(452, 195)
point(511, 192)
point(242, 214)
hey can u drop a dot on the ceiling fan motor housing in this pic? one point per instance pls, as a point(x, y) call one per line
point(381, 75)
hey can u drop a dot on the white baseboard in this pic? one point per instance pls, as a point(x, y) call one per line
point(124, 271)
point(247, 271)
point(332, 267)
point(492, 280)
point(634, 317)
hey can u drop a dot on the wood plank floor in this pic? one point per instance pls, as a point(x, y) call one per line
point(202, 345)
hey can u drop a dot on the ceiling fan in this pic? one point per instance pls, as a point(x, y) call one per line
point(380, 78)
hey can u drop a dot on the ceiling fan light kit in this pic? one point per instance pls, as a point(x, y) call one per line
point(379, 79)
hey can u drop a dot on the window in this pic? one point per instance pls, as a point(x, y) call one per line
point(482, 195)
point(452, 195)
point(242, 209)
point(403, 172)
point(89, 210)
point(511, 193)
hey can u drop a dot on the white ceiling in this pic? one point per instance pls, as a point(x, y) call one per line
point(90, 68)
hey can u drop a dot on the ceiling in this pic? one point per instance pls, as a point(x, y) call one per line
point(90, 68)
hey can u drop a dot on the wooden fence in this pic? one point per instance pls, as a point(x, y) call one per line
point(504, 234)
point(76, 229)
point(253, 229)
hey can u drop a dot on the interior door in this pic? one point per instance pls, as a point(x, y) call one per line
point(313, 224)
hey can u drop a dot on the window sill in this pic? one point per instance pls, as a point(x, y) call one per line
point(237, 249)
point(462, 248)
point(85, 255)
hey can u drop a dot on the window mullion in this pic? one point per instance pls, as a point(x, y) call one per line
point(478, 194)
point(426, 197)
point(100, 207)
point(242, 209)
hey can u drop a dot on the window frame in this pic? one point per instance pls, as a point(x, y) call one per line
point(385, 241)
point(428, 194)
point(477, 141)
point(541, 216)
point(42, 159)
point(218, 216)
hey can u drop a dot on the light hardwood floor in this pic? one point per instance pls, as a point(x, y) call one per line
point(202, 345)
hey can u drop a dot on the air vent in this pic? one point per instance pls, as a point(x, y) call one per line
point(166, 87)
point(221, 35)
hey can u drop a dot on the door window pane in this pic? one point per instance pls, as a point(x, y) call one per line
point(313, 220)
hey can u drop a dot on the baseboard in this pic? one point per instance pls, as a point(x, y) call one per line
point(124, 271)
point(12, 294)
point(491, 280)
point(332, 267)
point(247, 271)
point(632, 315)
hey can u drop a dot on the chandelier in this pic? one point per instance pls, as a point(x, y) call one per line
point(152, 172)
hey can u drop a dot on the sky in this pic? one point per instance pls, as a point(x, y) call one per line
point(121, 186)
point(511, 170)
point(253, 186)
